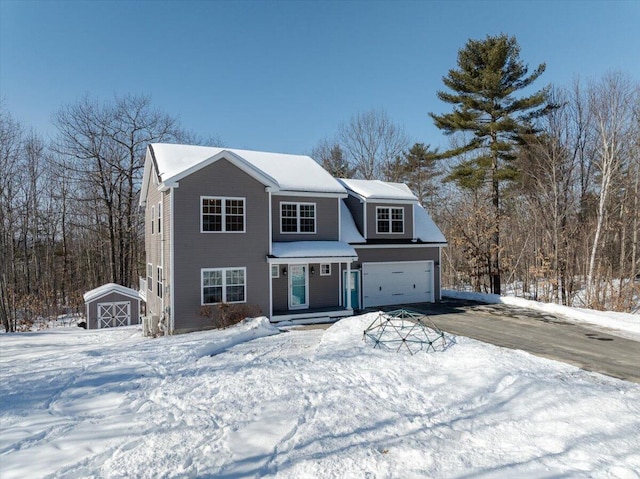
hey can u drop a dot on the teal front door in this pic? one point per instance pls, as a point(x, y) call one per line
point(351, 287)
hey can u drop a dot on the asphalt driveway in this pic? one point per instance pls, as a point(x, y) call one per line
point(588, 347)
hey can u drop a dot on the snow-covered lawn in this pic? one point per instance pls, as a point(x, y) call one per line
point(110, 403)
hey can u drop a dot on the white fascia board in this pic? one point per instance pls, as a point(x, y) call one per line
point(313, 194)
point(395, 246)
point(313, 259)
point(390, 201)
point(236, 160)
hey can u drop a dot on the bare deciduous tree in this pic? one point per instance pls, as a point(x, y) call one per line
point(372, 143)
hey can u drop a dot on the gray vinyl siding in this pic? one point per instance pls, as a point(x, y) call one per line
point(326, 218)
point(390, 255)
point(92, 308)
point(371, 222)
point(154, 244)
point(324, 291)
point(194, 250)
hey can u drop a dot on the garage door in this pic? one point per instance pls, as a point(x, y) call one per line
point(385, 284)
point(111, 315)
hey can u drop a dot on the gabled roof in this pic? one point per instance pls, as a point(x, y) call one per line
point(281, 172)
point(108, 289)
point(379, 190)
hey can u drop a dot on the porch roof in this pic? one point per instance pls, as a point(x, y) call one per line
point(320, 251)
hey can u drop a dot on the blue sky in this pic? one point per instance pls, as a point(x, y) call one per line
point(279, 76)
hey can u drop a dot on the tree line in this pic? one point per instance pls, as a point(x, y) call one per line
point(537, 191)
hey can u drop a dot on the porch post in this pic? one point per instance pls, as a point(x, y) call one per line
point(348, 285)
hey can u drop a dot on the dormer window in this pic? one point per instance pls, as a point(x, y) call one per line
point(297, 218)
point(389, 220)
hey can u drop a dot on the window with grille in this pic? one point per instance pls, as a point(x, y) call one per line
point(222, 215)
point(389, 220)
point(223, 285)
point(298, 218)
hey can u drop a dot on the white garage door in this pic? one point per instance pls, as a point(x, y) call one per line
point(385, 284)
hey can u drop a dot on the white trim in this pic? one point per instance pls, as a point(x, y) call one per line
point(231, 157)
point(160, 225)
point(311, 194)
point(172, 310)
point(395, 246)
point(390, 201)
point(339, 219)
point(223, 213)
point(153, 219)
point(325, 264)
point(364, 219)
point(270, 215)
point(224, 284)
point(305, 266)
point(298, 217)
point(390, 220)
point(439, 275)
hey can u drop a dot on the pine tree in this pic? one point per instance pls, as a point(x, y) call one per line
point(483, 91)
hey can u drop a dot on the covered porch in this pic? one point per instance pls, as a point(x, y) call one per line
point(306, 281)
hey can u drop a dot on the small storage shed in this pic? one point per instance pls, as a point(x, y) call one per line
point(112, 305)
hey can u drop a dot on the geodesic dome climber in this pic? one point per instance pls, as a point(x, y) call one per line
point(403, 330)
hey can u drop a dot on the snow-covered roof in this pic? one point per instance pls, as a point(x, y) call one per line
point(426, 229)
point(282, 171)
point(314, 249)
point(348, 230)
point(108, 289)
point(379, 190)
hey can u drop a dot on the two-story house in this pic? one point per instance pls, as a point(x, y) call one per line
point(279, 232)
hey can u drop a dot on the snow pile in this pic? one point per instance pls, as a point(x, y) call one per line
point(627, 322)
point(110, 403)
point(248, 329)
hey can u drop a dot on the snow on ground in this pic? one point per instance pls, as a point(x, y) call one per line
point(313, 403)
point(624, 322)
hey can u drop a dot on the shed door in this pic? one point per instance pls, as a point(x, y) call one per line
point(111, 315)
point(385, 284)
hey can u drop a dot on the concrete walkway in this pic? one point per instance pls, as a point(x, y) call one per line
point(588, 347)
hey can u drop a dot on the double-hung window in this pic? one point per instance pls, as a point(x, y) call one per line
point(297, 217)
point(159, 286)
point(153, 220)
point(149, 276)
point(222, 215)
point(223, 285)
point(159, 218)
point(389, 219)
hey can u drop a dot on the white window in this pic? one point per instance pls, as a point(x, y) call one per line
point(275, 271)
point(222, 215)
point(297, 217)
point(159, 287)
point(153, 219)
point(389, 220)
point(159, 218)
point(325, 269)
point(223, 285)
point(149, 276)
